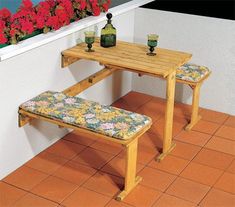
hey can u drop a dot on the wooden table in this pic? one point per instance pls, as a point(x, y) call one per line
point(132, 57)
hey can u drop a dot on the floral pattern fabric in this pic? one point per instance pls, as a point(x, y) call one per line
point(106, 120)
point(191, 72)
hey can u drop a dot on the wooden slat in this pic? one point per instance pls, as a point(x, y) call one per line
point(139, 52)
point(142, 58)
point(135, 71)
point(88, 82)
point(121, 52)
point(166, 51)
point(66, 61)
point(130, 65)
point(108, 56)
point(132, 56)
point(142, 47)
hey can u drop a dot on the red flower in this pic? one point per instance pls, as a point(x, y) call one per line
point(96, 10)
point(52, 3)
point(5, 13)
point(106, 5)
point(82, 4)
point(62, 16)
point(2, 25)
point(3, 38)
point(94, 2)
point(13, 32)
point(53, 22)
point(43, 5)
point(42, 14)
point(27, 4)
point(27, 26)
point(67, 6)
point(40, 23)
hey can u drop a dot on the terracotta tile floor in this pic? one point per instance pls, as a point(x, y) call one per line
point(83, 171)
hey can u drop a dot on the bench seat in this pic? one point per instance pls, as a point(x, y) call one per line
point(90, 115)
point(193, 75)
point(191, 72)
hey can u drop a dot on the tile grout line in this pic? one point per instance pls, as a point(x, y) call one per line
point(76, 142)
point(178, 176)
point(226, 170)
point(226, 120)
point(97, 170)
point(216, 167)
point(118, 201)
point(174, 197)
point(224, 137)
point(26, 192)
point(100, 171)
point(51, 175)
point(155, 202)
point(192, 143)
point(30, 192)
point(69, 194)
point(210, 187)
point(219, 188)
point(69, 160)
point(182, 198)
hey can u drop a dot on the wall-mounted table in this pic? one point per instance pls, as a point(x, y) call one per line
point(132, 57)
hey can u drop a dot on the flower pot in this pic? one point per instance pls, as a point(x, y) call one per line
point(3, 45)
point(37, 32)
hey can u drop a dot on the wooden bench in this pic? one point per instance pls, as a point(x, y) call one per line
point(88, 117)
point(193, 75)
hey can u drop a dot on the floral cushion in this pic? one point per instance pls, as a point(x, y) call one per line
point(191, 72)
point(106, 120)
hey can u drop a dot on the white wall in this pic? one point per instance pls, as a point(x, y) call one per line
point(212, 43)
point(27, 75)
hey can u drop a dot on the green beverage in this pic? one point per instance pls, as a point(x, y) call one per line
point(89, 40)
point(152, 43)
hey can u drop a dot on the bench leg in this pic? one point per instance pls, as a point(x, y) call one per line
point(131, 180)
point(195, 117)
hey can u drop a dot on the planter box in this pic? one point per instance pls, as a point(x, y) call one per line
point(37, 32)
point(3, 45)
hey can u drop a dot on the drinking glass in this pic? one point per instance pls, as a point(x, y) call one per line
point(89, 40)
point(152, 43)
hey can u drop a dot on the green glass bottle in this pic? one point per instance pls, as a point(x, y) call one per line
point(108, 33)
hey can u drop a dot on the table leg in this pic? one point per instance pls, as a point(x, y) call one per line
point(168, 127)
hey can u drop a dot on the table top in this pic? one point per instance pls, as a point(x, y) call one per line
point(131, 56)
